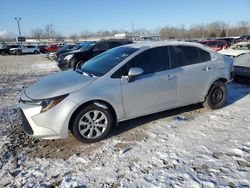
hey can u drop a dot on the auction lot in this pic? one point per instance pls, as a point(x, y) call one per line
point(188, 147)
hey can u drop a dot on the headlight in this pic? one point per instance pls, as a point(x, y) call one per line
point(47, 104)
point(68, 57)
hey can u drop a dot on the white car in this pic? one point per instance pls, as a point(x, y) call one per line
point(236, 49)
point(29, 49)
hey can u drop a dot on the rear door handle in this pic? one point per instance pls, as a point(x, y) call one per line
point(205, 69)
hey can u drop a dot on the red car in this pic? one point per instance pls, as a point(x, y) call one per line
point(216, 45)
point(52, 48)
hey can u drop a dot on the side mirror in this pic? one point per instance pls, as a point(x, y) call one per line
point(134, 72)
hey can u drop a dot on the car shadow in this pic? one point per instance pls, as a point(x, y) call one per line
point(133, 123)
point(235, 93)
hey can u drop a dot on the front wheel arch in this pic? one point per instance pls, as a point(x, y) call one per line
point(110, 107)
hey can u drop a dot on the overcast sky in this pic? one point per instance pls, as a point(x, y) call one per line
point(76, 16)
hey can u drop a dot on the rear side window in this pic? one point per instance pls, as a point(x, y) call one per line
point(204, 55)
point(152, 60)
point(187, 55)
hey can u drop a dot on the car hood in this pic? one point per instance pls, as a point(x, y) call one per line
point(243, 60)
point(232, 52)
point(58, 84)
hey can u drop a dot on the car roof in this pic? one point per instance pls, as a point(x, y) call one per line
point(163, 43)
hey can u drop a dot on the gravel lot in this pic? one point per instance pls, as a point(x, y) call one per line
point(185, 147)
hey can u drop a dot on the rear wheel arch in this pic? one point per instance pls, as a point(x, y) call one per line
point(217, 85)
point(97, 103)
point(222, 79)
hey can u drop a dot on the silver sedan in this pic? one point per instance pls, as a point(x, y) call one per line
point(124, 83)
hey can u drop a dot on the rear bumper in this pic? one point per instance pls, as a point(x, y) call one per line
point(242, 72)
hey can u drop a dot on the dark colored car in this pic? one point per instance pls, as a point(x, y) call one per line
point(68, 48)
point(86, 52)
point(216, 45)
point(6, 49)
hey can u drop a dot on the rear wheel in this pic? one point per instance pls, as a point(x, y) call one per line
point(35, 52)
point(216, 97)
point(92, 123)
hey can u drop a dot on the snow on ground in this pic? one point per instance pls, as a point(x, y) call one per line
point(184, 147)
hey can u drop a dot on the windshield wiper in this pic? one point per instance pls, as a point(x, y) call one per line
point(84, 72)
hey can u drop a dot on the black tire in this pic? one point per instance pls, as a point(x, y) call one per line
point(74, 127)
point(79, 63)
point(18, 52)
point(35, 52)
point(216, 97)
point(3, 53)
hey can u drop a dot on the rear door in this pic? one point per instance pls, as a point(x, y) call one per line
point(155, 90)
point(195, 69)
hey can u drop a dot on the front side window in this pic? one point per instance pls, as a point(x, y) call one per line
point(104, 62)
point(152, 60)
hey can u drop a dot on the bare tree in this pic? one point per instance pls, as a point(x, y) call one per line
point(74, 37)
point(37, 33)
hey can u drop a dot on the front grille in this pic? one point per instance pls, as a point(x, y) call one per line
point(25, 124)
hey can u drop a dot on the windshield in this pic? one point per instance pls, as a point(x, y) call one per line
point(87, 46)
point(104, 62)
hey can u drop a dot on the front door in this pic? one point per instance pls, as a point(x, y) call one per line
point(153, 91)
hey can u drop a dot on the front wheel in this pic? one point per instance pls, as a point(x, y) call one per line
point(216, 97)
point(92, 123)
point(18, 53)
point(35, 52)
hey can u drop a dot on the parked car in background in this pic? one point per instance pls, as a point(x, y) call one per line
point(4, 50)
point(216, 45)
point(236, 49)
point(27, 49)
point(88, 51)
point(51, 48)
point(7, 48)
point(242, 67)
point(124, 83)
point(42, 48)
point(243, 38)
point(229, 40)
point(64, 49)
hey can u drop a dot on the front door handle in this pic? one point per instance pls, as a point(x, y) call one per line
point(170, 77)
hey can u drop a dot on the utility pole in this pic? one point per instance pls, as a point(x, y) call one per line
point(19, 30)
